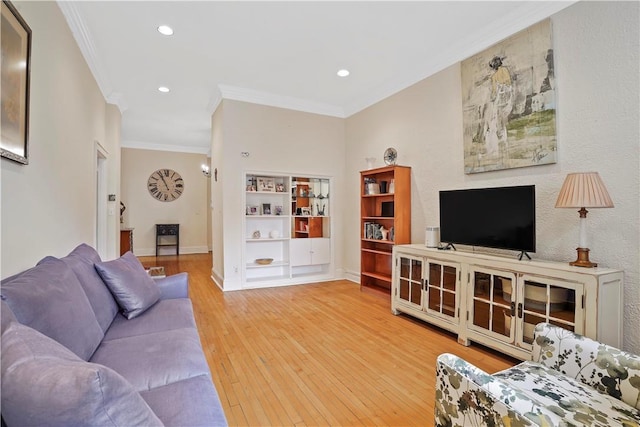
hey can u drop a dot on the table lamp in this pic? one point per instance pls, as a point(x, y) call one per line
point(583, 190)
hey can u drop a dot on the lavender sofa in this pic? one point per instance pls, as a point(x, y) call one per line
point(92, 343)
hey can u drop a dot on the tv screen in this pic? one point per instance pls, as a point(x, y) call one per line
point(503, 217)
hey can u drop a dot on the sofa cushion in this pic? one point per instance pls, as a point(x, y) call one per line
point(568, 398)
point(43, 383)
point(7, 316)
point(81, 260)
point(156, 359)
point(50, 299)
point(164, 315)
point(133, 288)
point(198, 394)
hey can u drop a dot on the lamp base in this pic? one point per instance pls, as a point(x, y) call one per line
point(583, 259)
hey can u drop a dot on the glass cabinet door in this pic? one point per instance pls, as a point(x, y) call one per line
point(545, 300)
point(410, 281)
point(493, 303)
point(441, 298)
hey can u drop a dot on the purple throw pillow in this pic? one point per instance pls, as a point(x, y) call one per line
point(134, 290)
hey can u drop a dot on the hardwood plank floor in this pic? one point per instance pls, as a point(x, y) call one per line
point(317, 354)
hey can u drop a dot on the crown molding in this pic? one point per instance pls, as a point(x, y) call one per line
point(84, 40)
point(525, 16)
point(142, 145)
point(214, 101)
point(273, 100)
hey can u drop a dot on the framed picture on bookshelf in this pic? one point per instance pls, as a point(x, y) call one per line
point(305, 211)
point(252, 210)
point(277, 210)
point(266, 209)
point(266, 184)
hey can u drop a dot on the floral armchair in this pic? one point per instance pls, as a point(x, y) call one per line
point(572, 381)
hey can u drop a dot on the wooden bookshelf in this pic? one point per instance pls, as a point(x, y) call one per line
point(383, 206)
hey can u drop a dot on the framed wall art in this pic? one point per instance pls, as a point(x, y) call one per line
point(15, 66)
point(509, 103)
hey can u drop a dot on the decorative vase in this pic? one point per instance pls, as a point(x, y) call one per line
point(385, 233)
point(370, 162)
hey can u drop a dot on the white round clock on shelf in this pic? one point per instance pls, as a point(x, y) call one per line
point(390, 156)
point(165, 185)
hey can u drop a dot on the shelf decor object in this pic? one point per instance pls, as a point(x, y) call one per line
point(583, 190)
point(390, 156)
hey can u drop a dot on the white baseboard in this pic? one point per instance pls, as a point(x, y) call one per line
point(353, 276)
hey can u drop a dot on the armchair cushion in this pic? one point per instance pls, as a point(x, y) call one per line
point(466, 394)
point(575, 402)
point(43, 383)
point(134, 290)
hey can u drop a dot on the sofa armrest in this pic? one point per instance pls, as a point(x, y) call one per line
point(466, 395)
point(174, 286)
point(607, 369)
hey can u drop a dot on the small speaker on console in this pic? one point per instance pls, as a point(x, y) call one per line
point(432, 237)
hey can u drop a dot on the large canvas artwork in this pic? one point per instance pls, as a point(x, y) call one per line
point(15, 43)
point(509, 108)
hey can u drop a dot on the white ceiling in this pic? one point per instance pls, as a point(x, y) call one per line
point(283, 54)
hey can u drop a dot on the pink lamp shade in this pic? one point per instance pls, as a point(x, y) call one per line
point(583, 190)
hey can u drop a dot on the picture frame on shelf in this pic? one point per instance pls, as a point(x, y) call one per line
point(305, 211)
point(16, 69)
point(277, 210)
point(252, 210)
point(251, 188)
point(266, 184)
point(266, 209)
point(280, 188)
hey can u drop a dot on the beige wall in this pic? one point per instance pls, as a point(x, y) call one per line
point(143, 211)
point(278, 140)
point(49, 205)
point(596, 58)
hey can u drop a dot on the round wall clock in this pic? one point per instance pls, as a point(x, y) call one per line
point(165, 185)
point(390, 156)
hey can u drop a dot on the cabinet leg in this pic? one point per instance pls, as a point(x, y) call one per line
point(464, 341)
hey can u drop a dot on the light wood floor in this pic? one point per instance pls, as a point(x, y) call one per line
point(317, 354)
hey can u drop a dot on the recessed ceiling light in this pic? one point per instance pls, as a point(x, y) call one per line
point(343, 73)
point(165, 30)
point(163, 89)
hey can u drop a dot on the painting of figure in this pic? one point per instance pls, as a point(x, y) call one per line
point(509, 108)
point(15, 42)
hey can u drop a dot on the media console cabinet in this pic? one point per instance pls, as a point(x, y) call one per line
point(496, 301)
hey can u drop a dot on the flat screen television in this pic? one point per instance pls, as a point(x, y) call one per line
point(501, 217)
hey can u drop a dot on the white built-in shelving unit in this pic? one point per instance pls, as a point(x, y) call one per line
point(287, 221)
